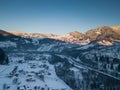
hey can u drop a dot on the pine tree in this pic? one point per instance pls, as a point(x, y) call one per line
point(119, 67)
point(111, 66)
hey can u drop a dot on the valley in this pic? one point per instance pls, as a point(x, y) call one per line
point(45, 63)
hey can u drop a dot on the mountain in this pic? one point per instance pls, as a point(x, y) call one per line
point(34, 35)
point(4, 36)
point(103, 35)
point(73, 37)
point(39, 62)
point(22, 34)
point(4, 33)
point(116, 29)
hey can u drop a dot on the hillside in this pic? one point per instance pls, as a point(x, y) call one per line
point(4, 33)
point(37, 63)
point(104, 35)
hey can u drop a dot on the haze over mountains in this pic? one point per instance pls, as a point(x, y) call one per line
point(103, 35)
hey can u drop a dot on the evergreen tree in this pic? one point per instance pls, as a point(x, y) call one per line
point(111, 66)
point(3, 57)
point(119, 67)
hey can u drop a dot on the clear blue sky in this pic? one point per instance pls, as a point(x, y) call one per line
point(58, 16)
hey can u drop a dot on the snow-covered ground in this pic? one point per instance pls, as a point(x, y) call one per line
point(7, 44)
point(30, 75)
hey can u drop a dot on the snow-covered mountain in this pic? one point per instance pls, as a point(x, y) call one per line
point(104, 35)
point(4, 33)
point(37, 63)
point(32, 35)
point(72, 37)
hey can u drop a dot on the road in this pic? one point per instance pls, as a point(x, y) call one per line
point(80, 64)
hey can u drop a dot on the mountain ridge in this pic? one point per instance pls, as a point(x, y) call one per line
point(103, 35)
point(5, 33)
point(93, 63)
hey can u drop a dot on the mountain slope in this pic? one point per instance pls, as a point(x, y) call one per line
point(82, 67)
point(104, 32)
point(4, 33)
point(73, 37)
point(4, 36)
point(104, 35)
point(34, 35)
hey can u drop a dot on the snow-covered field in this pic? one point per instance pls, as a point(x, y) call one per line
point(30, 75)
point(7, 44)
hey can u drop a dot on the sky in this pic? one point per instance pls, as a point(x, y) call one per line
point(58, 16)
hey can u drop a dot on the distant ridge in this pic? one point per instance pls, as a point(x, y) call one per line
point(36, 35)
point(103, 35)
point(4, 33)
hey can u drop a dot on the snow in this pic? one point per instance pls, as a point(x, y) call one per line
point(49, 47)
point(74, 69)
point(104, 42)
point(35, 41)
point(45, 47)
point(98, 32)
point(86, 46)
point(27, 41)
point(7, 44)
point(54, 82)
point(28, 76)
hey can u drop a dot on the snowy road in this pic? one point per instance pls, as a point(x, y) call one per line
point(80, 65)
